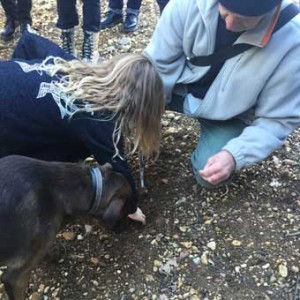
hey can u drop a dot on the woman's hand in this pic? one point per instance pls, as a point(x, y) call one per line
point(218, 167)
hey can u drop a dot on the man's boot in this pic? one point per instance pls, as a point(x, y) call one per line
point(131, 23)
point(68, 41)
point(8, 31)
point(90, 52)
point(112, 19)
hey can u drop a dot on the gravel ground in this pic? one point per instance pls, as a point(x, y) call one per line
point(238, 242)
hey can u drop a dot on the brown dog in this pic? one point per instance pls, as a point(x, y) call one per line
point(34, 198)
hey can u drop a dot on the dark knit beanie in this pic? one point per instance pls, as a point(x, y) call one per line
point(250, 8)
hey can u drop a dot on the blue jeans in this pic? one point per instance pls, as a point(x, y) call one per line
point(133, 6)
point(68, 16)
point(214, 136)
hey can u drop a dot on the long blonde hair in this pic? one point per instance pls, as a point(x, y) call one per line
point(128, 86)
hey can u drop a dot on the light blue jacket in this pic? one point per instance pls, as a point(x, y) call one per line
point(260, 86)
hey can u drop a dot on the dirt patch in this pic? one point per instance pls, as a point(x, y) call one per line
point(237, 242)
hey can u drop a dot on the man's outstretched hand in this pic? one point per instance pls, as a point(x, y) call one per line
point(218, 167)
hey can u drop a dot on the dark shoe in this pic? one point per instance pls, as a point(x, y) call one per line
point(25, 27)
point(90, 54)
point(112, 19)
point(8, 31)
point(67, 38)
point(131, 23)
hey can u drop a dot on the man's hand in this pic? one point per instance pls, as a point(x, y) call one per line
point(218, 167)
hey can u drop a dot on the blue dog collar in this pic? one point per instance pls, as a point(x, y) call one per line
point(97, 180)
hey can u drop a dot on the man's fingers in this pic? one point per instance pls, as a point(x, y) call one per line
point(214, 174)
point(209, 170)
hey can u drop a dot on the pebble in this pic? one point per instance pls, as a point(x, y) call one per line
point(124, 41)
point(80, 237)
point(183, 228)
point(94, 261)
point(204, 258)
point(196, 260)
point(282, 270)
point(187, 245)
point(68, 235)
point(88, 229)
point(295, 269)
point(157, 263)
point(171, 130)
point(236, 243)
point(212, 245)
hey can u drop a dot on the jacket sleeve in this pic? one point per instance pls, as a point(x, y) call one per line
point(96, 135)
point(277, 114)
point(165, 49)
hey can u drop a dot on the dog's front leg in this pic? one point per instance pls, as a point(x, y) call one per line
point(15, 283)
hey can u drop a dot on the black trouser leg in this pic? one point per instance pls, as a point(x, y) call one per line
point(24, 9)
point(10, 9)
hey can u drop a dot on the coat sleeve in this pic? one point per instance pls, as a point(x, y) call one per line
point(96, 135)
point(165, 49)
point(277, 114)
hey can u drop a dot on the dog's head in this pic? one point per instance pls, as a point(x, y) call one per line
point(117, 199)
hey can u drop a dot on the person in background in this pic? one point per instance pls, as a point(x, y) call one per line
point(17, 13)
point(248, 104)
point(67, 21)
point(115, 15)
point(130, 22)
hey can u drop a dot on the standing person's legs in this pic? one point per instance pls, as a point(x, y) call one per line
point(91, 28)
point(116, 5)
point(67, 20)
point(132, 12)
point(10, 9)
point(67, 14)
point(91, 15)
point(114, 15)
point(24, 10)
point(24, 16)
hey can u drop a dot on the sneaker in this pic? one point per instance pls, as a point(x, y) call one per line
point(68, 41)
point(8, 31)
point(112, 19)
point(25, 27)
point(131, 23)
point(90, 54)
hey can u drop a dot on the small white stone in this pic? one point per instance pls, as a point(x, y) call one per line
point(282, 270)
point(212, 245)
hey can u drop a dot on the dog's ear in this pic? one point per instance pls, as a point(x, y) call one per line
point(113, 212)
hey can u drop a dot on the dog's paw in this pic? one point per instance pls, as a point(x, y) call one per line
point(138, 216)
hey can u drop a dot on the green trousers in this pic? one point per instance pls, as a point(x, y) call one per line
point(213, 137)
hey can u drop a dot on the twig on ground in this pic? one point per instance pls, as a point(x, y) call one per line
point(295, 296)
point(293, 234)
point(226, 192)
